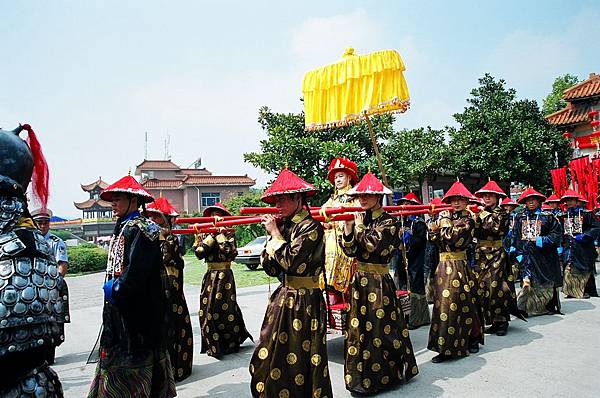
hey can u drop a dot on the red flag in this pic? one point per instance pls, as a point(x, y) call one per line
point(559, 180)
point(583, 175)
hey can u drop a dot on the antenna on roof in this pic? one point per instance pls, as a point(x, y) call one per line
point(167, 145)
point(146, 146)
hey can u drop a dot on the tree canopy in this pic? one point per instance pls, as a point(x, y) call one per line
point(554, 102)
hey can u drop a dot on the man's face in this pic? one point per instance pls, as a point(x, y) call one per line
point(532, 203)
point(553, 205)
point(43, 224)
point(216, 213)
point(490, 200)
point(510, 208)
point(458, 203)
point(571, 202)
point(287, 205)
point(341, 180)
point(368, 201)
point(121, 205)
point(157, 218)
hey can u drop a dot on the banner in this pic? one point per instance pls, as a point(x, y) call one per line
point(585, 178)
point(560, 182)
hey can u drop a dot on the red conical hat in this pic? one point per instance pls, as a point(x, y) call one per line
point(582, 199)
point(508, 202)
point(287, 182)
point(553, 199)
point(216, 206)
point(546, 207)
point(345, 165)
point(491, 187)
point(436, 202)
point(129, 185)
point(529, 192)
point(457, 189)
point(569, 194)
point(411, 197)
point(163, 206)
point(369, 185)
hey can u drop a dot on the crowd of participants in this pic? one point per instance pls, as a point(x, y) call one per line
point(379, 270)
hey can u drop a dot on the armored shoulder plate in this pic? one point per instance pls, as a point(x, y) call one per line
point(149, 228)
point(30, 298)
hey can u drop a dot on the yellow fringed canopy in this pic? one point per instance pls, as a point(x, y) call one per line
point(342, 93)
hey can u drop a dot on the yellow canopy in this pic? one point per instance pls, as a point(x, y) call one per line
point(342, 93)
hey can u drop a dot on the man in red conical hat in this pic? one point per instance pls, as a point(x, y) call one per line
point(133, 350)
point(375, 310)
point(553, 201)
point(494, 278)
point(456, 329)
point(218, 293)
point(411, 263)
point(535, 241)
point(581, 229)
point(342, 173)
point(293, 334)
point(181, 349)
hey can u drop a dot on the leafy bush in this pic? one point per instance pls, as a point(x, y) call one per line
point(87, 258)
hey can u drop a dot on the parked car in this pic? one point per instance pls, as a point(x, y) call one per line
point(249, 255)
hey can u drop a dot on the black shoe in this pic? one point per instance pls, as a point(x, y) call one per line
point(585, 296)
point(502, 329)
point(568, 296)
point(474, 348)
point(492, 329)
point(439, 358)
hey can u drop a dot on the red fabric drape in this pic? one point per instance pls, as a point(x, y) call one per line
point(559, 180)
point(583, 175)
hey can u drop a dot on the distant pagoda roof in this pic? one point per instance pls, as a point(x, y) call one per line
point(93, 185)
point(88, 204)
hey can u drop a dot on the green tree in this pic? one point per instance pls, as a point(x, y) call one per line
point(309, 153)
point(505, 138)
point(413, 155)
point(246, 233)
point(554, 102)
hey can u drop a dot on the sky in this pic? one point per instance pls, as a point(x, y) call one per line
point(92, 77)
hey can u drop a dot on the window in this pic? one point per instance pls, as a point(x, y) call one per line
point(240, 194)
point(210, 198)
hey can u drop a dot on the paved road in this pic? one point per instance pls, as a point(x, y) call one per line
point(549, 356)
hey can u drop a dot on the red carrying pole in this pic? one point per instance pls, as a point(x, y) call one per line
point(192, 220)
point(212, 230)
point(337, 210)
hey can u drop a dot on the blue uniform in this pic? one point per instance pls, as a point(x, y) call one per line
point(57, 247)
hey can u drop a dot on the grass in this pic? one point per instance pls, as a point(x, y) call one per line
point(195, 269)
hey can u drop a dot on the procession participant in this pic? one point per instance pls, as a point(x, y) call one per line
point(535, 239)
point(290, 359)
point(579, 256)
point(221, 322)
point(133, 355)
point(41, 217)
point(414, 239)
point(31, 303)
point(181, 348)
point(456, 329)
point(378, 351)
point(342, 173)
point(494, 277)
point(432, 254)
point(553, 202)
point(510, 207)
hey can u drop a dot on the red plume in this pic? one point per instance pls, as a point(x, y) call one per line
point(41, 175)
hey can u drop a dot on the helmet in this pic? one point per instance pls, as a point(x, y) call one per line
point(16, 164)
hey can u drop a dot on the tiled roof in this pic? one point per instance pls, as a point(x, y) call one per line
point(91, 202)
point(94, 184)
point(571, 115)
point(156, 183)
point(585, 89)
point(219, 180)
point(195, 172)
point(156, 165)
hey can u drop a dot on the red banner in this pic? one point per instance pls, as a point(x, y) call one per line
point(560, 182)
point(586, 179)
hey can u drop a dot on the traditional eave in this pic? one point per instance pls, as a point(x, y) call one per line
point(90, 187)
point(570, 116)
point(155, 165)
point(155, 183)
point(88, 204)
point(586, 89)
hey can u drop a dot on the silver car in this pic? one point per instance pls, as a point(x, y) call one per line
point(249, 255)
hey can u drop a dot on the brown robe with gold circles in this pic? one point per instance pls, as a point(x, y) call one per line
point(495, 282)
point(221, 322)
point(181, 350)
point(455, 321)
point(378, 351)
point(290, 359)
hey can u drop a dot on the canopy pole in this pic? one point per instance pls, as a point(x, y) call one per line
point(376, 149)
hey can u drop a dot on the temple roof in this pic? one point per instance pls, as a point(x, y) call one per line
point(97, 183)
point(198, 180)
point(88, 204)
point(571, 115)
point(156, 165)
point(585, 89)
